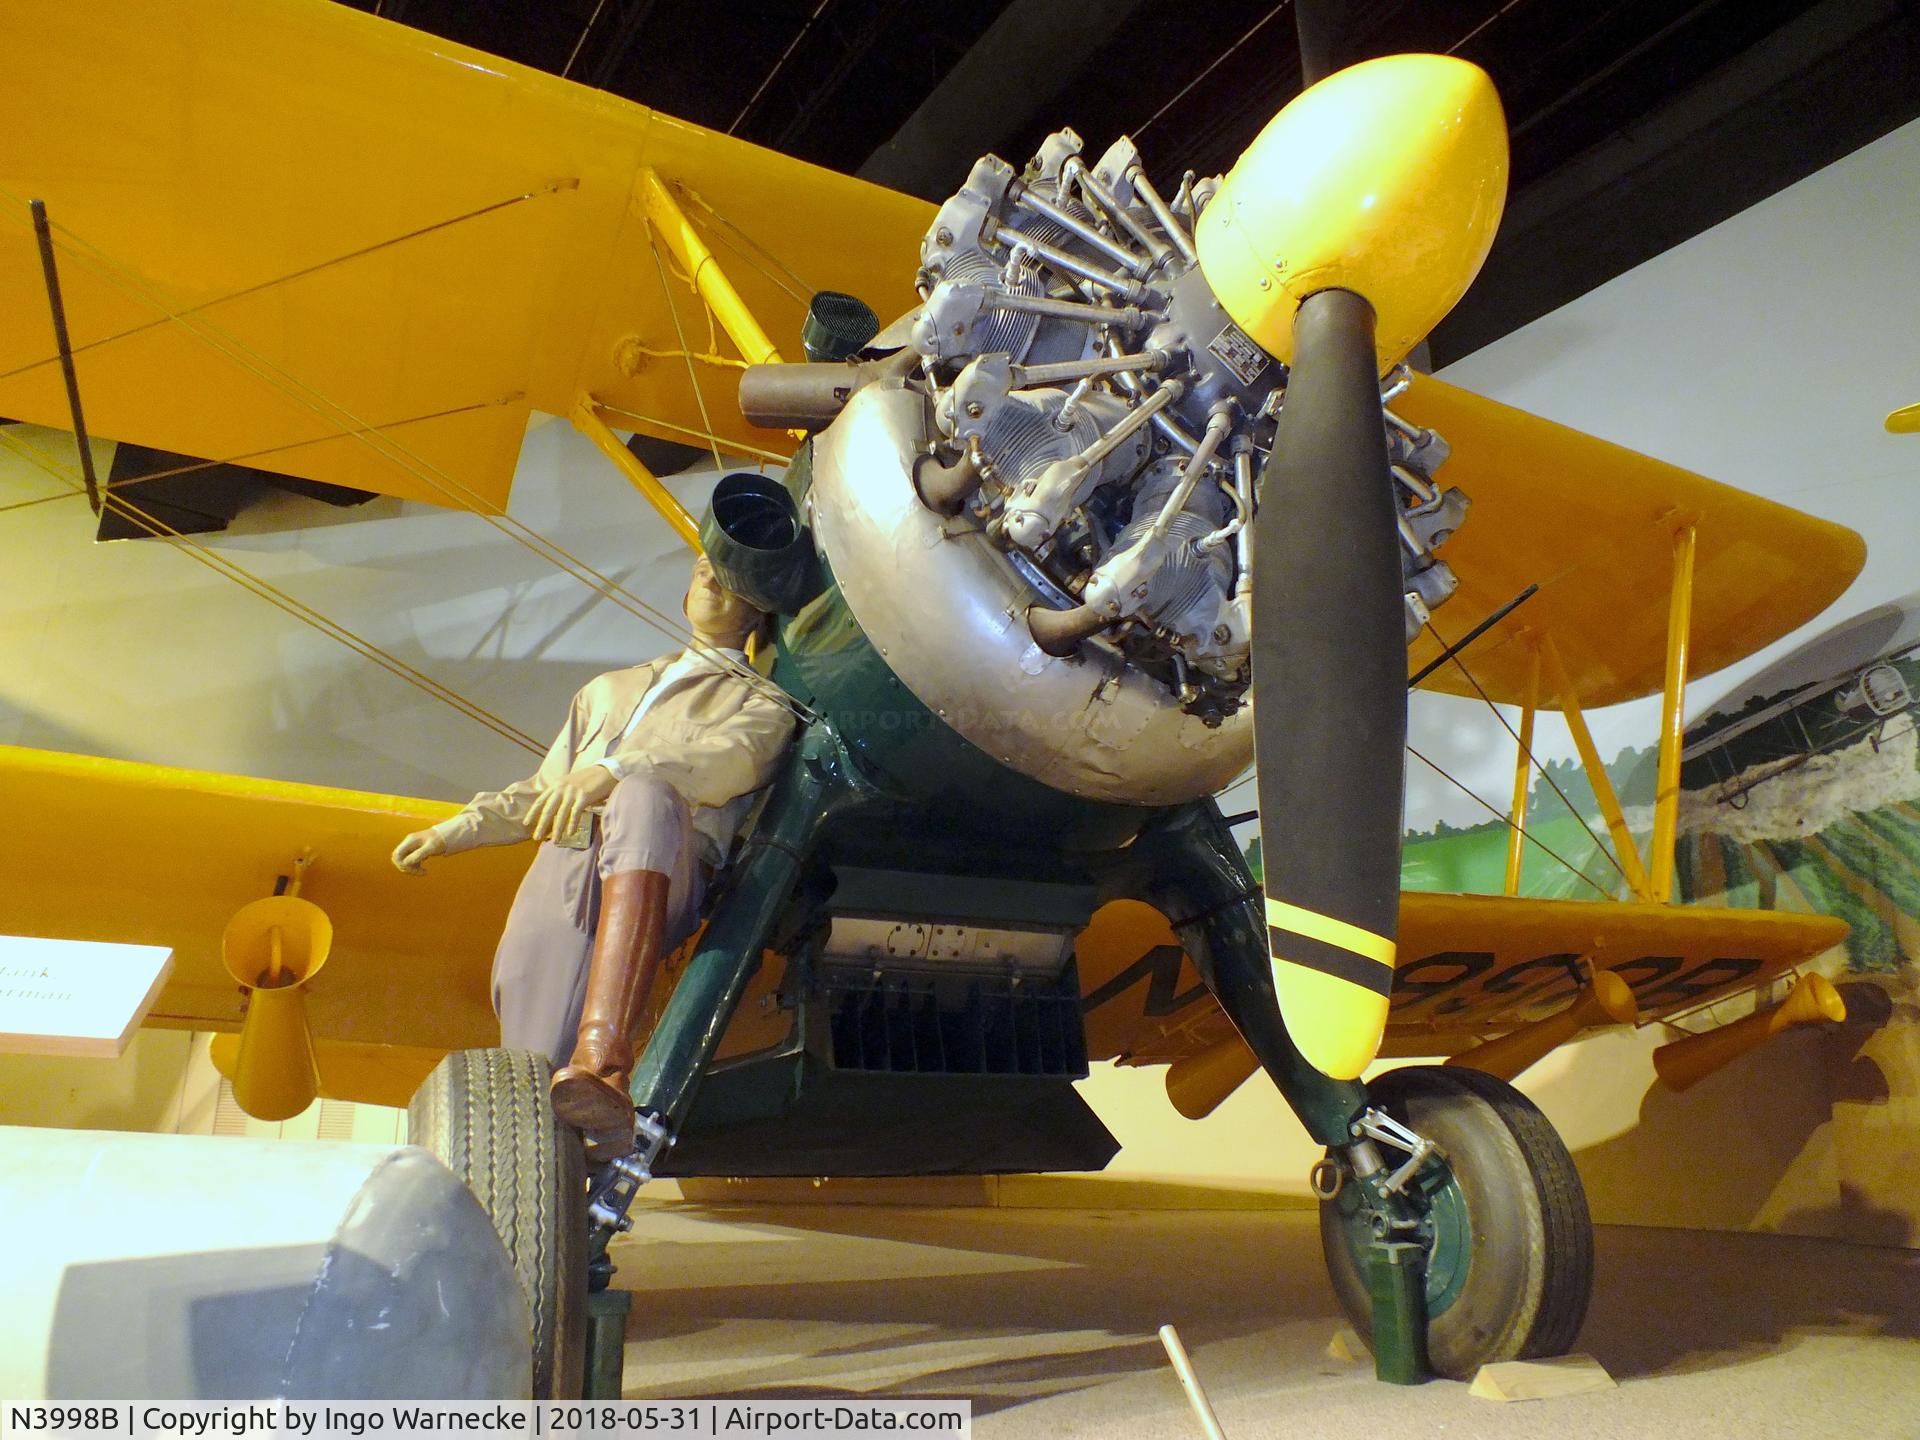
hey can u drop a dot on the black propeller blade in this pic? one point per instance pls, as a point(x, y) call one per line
point(1330, 675)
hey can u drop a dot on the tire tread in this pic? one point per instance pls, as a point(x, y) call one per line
point(485, 1114)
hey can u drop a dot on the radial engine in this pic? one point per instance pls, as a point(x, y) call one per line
point(1108, 419)
point(1078, 427)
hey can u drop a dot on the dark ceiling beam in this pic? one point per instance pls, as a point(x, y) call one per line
point(1716, 148)
point(1314, 25)
point(1027, 56)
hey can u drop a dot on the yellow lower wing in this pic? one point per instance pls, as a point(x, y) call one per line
point(110, 850)
point(1469, 966)
point(1475, 964)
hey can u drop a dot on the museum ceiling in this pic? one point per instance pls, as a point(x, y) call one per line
point(1635, 123)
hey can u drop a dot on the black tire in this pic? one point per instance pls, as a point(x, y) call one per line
point(1511, 1268)
point(485, 1115)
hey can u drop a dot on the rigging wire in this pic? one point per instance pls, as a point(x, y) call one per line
point(172, 471)
point(279, 598)
point(550, 189)
point(1532, 759)
point(398, 454)
point(592, 20)
point(693, 378)
point(738, 447)
point(1218, 61)
point(804, 293)
point(779, 65)
point(1454, 48)
point(1507, 820)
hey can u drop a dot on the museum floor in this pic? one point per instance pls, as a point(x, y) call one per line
point(1046, 1320)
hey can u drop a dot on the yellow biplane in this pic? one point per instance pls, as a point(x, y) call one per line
point(299, 238)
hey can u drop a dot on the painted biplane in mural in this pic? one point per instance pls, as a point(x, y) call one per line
point(1802, 790)
point(1013, 564)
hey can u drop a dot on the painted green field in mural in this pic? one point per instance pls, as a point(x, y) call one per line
point(1475, 862)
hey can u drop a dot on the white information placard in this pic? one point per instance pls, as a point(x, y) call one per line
point(76, 997)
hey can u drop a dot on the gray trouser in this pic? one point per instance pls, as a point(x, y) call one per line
point(540, 967)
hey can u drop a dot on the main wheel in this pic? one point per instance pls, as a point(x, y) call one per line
point(485, 1115)
point(1510, 1258)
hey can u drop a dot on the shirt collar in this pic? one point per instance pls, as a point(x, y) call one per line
point(714, 657)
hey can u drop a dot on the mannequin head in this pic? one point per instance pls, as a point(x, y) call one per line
point(720, 618)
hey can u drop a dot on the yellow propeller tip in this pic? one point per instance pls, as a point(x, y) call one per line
point(1905, 421)
point(1336, 1024)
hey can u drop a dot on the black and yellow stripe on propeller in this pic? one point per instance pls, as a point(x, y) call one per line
point(1345, 232)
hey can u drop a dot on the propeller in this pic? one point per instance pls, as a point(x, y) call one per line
point(1329, 648)
point(1343, 235)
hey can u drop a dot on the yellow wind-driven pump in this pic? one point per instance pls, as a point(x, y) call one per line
point(273, 948)
point(1606, 1000)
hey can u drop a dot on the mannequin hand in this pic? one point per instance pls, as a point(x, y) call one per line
point(557, 811)
point(412, 853)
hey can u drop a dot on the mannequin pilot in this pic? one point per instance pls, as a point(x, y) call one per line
point(673, 751)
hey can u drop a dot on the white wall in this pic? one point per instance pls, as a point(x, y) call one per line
point(133, 650)
point(1764, 353)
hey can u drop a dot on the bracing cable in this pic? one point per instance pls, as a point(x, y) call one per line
point(273, 595)
point(345, 422)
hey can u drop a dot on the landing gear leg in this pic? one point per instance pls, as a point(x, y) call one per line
point(1397, 1255)
point(819, 778)
point(1190, 867)
point(1495, 1208)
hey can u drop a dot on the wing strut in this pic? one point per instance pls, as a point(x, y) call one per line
point(1666, 795)
point(43, 233)
point(588, 420)
point(670, 222)
point(1522, 780)
point(1603, 791)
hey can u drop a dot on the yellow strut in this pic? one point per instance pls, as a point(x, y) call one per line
point(1666, 795)
point(671, 224)
point(1522, 775)
point(586, 419)
point(1569, 697)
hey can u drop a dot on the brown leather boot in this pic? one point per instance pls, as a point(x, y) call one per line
point(590, 1092)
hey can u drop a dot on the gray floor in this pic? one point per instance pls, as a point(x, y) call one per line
point(1046, 1320)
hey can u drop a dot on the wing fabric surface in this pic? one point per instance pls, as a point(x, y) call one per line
point(1470, 966)
point(211, 148)
point(1591, 523)
point(112, 850)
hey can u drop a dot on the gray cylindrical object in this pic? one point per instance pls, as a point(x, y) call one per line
point(188, 1267)
point(803, 397)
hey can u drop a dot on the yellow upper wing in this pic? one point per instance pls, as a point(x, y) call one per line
point(206, 149)
point(1591, 524)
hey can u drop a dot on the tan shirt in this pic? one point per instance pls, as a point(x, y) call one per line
point(712, 736)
